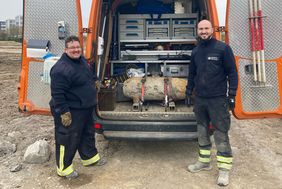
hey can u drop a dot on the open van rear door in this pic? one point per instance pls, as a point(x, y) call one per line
point(46, 25)
point(253, 31)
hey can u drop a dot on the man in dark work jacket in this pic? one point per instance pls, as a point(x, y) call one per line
point(73, 100)
point(213, 80)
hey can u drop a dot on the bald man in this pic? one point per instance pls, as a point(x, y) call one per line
point(213, 81)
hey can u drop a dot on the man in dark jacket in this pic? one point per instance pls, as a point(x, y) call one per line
point(213, 80)
point(73, 100)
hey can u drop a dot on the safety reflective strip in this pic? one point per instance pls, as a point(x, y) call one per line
point(60, 170)
point(224, 159)
point(204, 160)
point(224, 165)
point(62, 155)
point(205, 152)
point(65, 172)
point(92, 160)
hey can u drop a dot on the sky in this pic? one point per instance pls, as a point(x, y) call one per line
point(13, 8)
point(10, 9)
point(221, 7)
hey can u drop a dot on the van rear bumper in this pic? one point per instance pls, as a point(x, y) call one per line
point(148, 130)
point(142, 135)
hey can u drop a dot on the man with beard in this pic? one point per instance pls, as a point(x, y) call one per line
point(213, 80)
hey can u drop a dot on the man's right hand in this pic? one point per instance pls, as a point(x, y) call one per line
point(66, 119)
point(231, 101)
point(188, 100)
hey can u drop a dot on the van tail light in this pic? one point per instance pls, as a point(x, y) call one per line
point(97, 126)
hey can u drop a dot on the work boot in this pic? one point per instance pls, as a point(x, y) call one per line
point(73, 175)
point(100, 162)
point(223, 178)
point(199, 166)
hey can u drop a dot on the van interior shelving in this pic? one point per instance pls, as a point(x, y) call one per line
point(155, 44)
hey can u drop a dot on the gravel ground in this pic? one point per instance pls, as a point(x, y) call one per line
point(131, 164)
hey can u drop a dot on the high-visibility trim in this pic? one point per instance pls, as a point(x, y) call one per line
point(204, 160)
point(224, 165)
point(65, 172)
point(62, 155)
point(205, 152)
point(224, 159)
point(60, 170)
point(91, 160)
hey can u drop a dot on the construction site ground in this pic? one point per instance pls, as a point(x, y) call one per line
point(256, 144)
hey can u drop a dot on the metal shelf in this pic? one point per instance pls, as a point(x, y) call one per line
point(146, 62)
point(163, 52)
point(192, 40)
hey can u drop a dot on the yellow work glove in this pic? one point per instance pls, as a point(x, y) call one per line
point(66, 119)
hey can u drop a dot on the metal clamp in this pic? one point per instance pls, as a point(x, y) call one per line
point(171, 106)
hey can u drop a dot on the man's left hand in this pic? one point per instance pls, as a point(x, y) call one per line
point(231, 101)
point(188, 100)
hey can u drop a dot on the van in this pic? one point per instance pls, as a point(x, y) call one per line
point(141, 53)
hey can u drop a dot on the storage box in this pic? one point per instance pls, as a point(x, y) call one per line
point(107, 98)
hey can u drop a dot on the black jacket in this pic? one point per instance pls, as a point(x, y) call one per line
point(72, 85)
point(212, 70)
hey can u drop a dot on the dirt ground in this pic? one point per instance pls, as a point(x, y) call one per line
point(256, 145)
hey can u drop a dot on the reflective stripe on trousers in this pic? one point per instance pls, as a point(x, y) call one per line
point(61, 170)
point(224, 162)
point(92, 160)
point(204, 156)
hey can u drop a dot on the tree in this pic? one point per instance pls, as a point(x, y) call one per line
point(14, 33)
point(3, 36)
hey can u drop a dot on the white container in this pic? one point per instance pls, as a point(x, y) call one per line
point(48, 64)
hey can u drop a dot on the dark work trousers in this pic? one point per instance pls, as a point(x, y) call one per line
point(215, 111)
point(79, 136)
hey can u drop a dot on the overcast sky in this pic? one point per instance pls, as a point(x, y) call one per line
point(11, 8)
